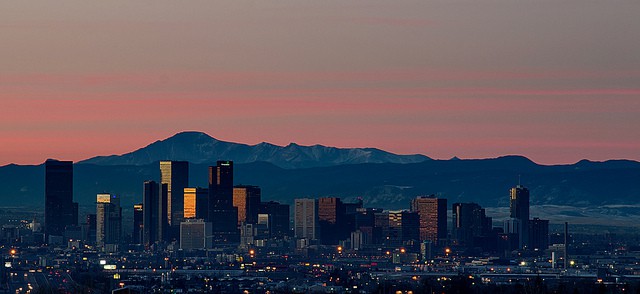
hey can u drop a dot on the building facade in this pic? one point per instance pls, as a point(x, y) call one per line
point(108, 221)
point(306, 224)
point(59, 209)
point(433, 218)
point(154, 205)
point(196, 203)
point(222, 214)
point(175, 174)
point(247, 200)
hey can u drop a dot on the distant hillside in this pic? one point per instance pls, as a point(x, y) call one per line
point(197, 147)
point(386, 185)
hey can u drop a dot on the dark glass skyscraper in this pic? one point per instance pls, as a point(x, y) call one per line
point(331, 220)
point(59, 209)
point(154, 219)
point(519, 210)
point(279, 215)
point(138, 217)
point(222, 214)
point(469, 223)
point(539, 234)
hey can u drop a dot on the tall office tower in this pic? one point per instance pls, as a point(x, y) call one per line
point(59, 209)
point(138, 217)
point(538, 234)
point(364, 221)
point(404, 226)
point(91, 227)
point(108, 220)
point(278, 218)
point(381, 227)
point(433, 217)
point(194, 234)
point(331, 220)
point(519, 209)
point(306, 224)
point(222, 214)
point(247, 200)
point(176, 175)
point(469, 223)
point(154, 206)
point(196, 203)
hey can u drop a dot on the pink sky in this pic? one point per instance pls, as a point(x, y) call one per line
point(556, 82)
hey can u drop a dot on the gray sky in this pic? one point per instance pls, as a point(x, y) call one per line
point(556, 81)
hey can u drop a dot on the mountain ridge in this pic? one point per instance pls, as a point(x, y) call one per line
point(199, 147)
point(385, 185)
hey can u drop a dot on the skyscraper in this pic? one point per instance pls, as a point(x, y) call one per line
point(278, 218)
point(469, 223)
point(519, 210)
point(433, 217)
point(176, 175)
point(154, 205)
point(247, 200)
point(196, 203)
point(331, 220)
point(404, 226)
point(222, 214)
point(538, 234)
point(59, 209)
point(138, 217)
point(306, 219)
point(194, 234)
point(108, 221)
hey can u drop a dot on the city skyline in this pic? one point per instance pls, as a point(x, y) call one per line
point(556, 82)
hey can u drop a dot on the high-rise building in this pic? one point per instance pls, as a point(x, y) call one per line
point(196, 203)
point(108, 220)
point(195, 234)
point(519, 209)
point(222, 214)
point(306, 219)
point(469, 223)
point(433, 218)
point(59, 209)
point(381, 227)
point(154, 205)
point(538, 234)
point(138, 217)
point(404, 226)
point(176, 175)
point(90, 223)
point(247, 200)
point(278, 218)
point(331, 220)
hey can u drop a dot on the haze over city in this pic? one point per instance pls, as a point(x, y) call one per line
point(554, 81)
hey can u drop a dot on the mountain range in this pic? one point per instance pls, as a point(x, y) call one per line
point(379, 178)
point(198, 147)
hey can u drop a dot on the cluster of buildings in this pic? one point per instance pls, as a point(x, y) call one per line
point(171, 213)
point(223, 215)
point(183, 235)
point(421, 229)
